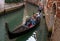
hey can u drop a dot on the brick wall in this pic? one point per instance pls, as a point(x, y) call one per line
point(58, 9)
point(49, 14)
point(56, 34)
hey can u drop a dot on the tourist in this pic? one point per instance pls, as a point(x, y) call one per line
point(33, 21)
point(30, 22)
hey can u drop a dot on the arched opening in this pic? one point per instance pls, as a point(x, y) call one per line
point(52, 20)
point(54, 9)
point(54, 15)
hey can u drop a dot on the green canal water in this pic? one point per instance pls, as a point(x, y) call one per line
point(15, 18)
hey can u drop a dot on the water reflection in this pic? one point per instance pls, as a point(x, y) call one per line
point(31, 39)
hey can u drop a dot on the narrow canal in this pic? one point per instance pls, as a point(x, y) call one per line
point(15, 18)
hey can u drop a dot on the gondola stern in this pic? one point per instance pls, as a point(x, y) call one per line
point(7, 30)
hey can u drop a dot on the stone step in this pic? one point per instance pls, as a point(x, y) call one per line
point(11, 6)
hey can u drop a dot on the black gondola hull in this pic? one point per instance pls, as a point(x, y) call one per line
point(13, 35)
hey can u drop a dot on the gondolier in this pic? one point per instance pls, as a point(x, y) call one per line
point(40, 8)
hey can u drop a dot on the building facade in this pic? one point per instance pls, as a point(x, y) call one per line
point(52, 15)
point(56, 33)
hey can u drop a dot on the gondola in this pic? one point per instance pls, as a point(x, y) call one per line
point(21, 30)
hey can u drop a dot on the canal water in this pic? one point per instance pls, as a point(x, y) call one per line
point(15, 18)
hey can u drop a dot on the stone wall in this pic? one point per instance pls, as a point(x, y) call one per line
point(34, 1)
point(56, 34)
point(49, 13)
point(58, 9)
point(1, 5)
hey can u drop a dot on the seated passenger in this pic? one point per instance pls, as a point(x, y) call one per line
point(33, 21)
point(37, 15)
point(34, 15)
